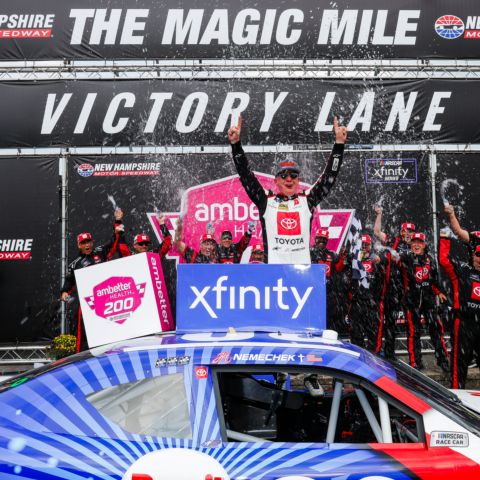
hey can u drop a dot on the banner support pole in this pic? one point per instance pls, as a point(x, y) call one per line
point(62, 171)
point(433, 176)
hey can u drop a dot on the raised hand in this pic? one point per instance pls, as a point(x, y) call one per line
point(340, 132)
point(378, 209)
point(161, 218)
point(118, 214)
point(449, 210)
point(234, 132)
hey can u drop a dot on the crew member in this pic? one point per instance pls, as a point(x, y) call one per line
point(258, 254)
point(364, 311)
point(286, 215)
point(334, 263)
point(394, 286)
point(87, 256)
point(465, 337)
point(422, 287)
point(208, 247)
point(142, 243)
point(471, 239)
point(229, 252)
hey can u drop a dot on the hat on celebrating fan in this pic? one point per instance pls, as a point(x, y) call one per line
point(418, 236)
point(477, 249)
point(366, 238)
point(323, 233)
point(141, 237)
point(83, 237)
point(205, 237)
point(258, 247)
point(408, 226)
point(284, 165)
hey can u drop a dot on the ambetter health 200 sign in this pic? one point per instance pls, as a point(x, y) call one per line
point(123, 299)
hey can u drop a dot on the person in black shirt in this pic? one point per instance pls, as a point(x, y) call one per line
point(208, 247)
point(89, 255)
point(422, 287)
point(470, 239)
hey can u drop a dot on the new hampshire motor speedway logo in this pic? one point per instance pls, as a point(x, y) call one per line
point(451, 27)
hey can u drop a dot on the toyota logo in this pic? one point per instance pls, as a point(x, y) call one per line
point(288, 223)
point(476, 291)
point(419, 275)
point(368, 267)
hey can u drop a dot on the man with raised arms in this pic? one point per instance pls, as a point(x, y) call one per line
point(286, 216)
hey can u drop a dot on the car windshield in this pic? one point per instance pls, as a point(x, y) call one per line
point(437, 396)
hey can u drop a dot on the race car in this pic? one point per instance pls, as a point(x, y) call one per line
point(234, 406)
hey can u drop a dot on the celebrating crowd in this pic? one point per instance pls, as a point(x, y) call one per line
point(369, 287)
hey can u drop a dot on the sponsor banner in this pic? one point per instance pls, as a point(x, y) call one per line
point(391, 170)
point(126, 29)
point(271, 298)
point(30, 249)
point(16, 248)
point(117, 306)
point(224, 205)
point(177, 112)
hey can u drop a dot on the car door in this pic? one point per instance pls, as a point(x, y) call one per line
point(324, 424)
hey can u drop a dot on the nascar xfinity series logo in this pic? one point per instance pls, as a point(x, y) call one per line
point(451, 27)
point(18, 26)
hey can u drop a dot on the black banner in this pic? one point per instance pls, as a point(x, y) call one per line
point(125, 29)
point(29, 248)
point(157, 112)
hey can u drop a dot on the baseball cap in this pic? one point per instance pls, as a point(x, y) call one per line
point(477, 249)
point(205, 237)
point(323, 232)
point(258, 247)
point(141, 237)
point(83, 237)
point(408, 226)
point(288, 164)
point(366, 238)
point(418, 236)
point(475, 234)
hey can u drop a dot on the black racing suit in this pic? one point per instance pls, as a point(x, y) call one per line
point(465, 337)
point(99, 254)
point(422, 286)
point(333, 264)
point(162, 249)
point(393, 293)
point(191, 256)
point(364, 311)
point(261, 198)
point(233, 254)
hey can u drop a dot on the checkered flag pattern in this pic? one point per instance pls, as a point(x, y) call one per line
point(141, 289)
point(90, 302)
point(354, 237)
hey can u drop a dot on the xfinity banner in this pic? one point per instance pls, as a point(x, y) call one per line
point(269, 298)
point(176, 112)
point(391, 170)
point(226, 29)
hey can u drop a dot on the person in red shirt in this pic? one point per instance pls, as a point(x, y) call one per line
point(394, 287)
point(465, 338)
point(142, 243)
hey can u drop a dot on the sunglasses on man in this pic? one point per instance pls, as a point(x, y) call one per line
point(285, 174)
point(143, 244)
point(226, 237)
